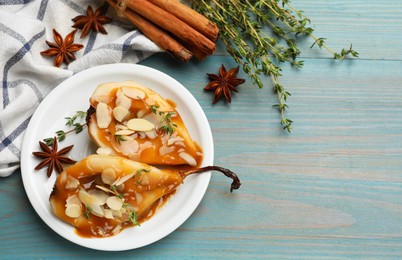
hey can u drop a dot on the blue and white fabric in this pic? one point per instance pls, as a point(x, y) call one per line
point(27, 77)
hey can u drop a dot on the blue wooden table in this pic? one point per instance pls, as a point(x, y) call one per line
point(330, 189)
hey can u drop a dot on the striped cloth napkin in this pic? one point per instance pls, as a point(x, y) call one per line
point(27, 77)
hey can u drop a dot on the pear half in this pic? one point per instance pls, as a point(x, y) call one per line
point(102, 194)
point(133, 121)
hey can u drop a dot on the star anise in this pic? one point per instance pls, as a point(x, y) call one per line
point(52, 157)
point(93, 20)
point(224, 83)
point(62, 49)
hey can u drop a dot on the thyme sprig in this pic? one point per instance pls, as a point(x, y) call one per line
point(118, 138)
point(77, 127)
point(241, 26)
point(132, 217)
point(166, 117)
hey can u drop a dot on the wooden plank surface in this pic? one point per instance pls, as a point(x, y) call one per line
point(330, 189)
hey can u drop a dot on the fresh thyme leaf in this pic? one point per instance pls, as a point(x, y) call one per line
point(139, 175)
point(154, 108)
point(48, 141)
point(87, 212)
point(166, 117)
point(132, 217)
point(119, 138)
point(241, 25)
point(78, 127)
point(71, 120)
point(61, 134)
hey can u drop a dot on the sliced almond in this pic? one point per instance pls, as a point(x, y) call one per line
point(73, 199)
point(103, 117)
point(120, 113)
point(71, 183)
point(123, 101)
point(117, 213)
point(97, 210)
point(140, 124)
point(124, 132)
point(151, 134)
point(91, 203)
point(129, 146)
point(63, 177)
point(102, 98)
point(188, 158)
point(117, 229)
point(108, 175)
point(86, 198)
point(114, 203)
point(121, 127)
point(166, 149)
point(108, 214)
point(123, 179)
point(105, 189)
point(99, 196)
point(173, 140)
point(104, 151)
point(73, 211)
point(141, 113)
point(133, 93)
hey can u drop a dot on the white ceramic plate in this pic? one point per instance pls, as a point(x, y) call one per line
point(73, 95)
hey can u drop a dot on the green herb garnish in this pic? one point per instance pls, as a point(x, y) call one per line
point(132, 217)
point(77, 128)
point(243, 30)
point(169, 126)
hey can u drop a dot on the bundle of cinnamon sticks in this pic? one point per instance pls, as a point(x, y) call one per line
point(172, 25)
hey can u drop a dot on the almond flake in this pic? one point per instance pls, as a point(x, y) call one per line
point(140, 124)
point(105, 189)
point(120, 113)
point(121, 127)
point(71, 183)
point(141, 113)
point(116, 229)
point(117, 213)
point(114, 203)
point(133, 93)
point(99, 196)
point(188, 158)
point(104, 151)
point(86, 198)
point(151, 134)
point(97, 210)
point(103, 117)
point(73, 199)
point(123, 101)
point(109, 214)
point(73, 211)
point(123, 179)
point(124, 132)
point(108, 175)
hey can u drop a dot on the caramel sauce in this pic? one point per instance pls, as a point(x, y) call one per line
point(135, 193)
point(152, 150)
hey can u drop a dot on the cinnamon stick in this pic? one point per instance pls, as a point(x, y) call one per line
point(188, 35)
point(156, 34)
point(190, 17)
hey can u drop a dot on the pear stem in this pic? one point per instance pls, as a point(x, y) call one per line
point(228, 173)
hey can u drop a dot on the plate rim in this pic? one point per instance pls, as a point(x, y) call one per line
point(54, 93)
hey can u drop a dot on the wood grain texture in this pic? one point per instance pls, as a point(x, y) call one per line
point(330, 189)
